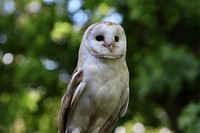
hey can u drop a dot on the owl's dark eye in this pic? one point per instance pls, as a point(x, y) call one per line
point(99, 38)
point(116, 39)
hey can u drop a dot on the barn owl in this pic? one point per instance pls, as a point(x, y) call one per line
point(98, 92)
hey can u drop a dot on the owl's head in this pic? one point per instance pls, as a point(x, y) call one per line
point(105, 40)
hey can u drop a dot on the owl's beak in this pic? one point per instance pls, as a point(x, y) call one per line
point(110, 47)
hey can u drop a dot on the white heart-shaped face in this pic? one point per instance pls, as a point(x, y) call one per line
point(106, 40)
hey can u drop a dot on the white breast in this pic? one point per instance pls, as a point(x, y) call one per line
point(104, 88)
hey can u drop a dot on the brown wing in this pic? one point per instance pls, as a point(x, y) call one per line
point(119, 111)
point(74, 89)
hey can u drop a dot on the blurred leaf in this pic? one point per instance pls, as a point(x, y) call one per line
point(60, 30)
point(166, 69)
point(189, 119)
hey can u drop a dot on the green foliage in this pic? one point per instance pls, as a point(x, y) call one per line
point(60, 30)
point(189, 120)
point(39, 43)
point(165, 69)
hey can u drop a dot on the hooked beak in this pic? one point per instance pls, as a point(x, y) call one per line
point(110, 47)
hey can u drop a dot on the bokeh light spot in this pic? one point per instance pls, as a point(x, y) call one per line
point(80, 18)
point(49, 64)
point(8, 58)
point(120, 129)
point(9, 7)
point(48, 1)
point(34, 6)
point(115, 17)
point(138, 128)
point(74, 5)
point(165, 130)
point(3, 38)
point(64, 77)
